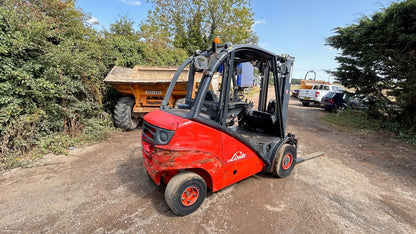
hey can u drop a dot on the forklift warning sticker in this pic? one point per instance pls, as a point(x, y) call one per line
point(237, 156)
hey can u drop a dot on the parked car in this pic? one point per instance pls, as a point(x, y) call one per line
point(358, 101)
point(338, 102)
point(335, 102)
point(315, 95)
point(295, 93)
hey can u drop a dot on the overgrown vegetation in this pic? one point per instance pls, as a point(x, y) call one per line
point(360, 120)
point(377, 58)
point(52, 64)
point(50, 77)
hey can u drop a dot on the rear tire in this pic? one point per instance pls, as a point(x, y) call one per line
point(284, 161)
point(185, 192)
point(179, 102)
point(340, 108)
point(122, 114)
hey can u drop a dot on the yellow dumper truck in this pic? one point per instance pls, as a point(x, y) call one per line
point(143, 89)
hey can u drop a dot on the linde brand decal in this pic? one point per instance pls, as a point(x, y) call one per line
point(237, 156)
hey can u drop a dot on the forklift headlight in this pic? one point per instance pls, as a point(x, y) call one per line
point(163, 136)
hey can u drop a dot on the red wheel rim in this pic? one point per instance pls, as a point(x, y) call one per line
point(189, 196)
point(287, 161)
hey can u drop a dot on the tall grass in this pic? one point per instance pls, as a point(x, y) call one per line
point(360, 120)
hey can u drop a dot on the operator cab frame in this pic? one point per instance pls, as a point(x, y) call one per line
point(213, 97)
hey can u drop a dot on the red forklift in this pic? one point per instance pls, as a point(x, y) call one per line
point(214, 137)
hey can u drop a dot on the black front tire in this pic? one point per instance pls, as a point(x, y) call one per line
point(185, 192)
point(122, 114)
point(284, 161)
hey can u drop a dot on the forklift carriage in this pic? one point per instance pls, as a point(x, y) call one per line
point(214, 137)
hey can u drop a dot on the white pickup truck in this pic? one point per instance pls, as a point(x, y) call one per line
point(318, 91)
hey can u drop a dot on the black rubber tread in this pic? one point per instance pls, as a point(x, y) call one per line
point(305, 103)
point(211, 96)
point(277, 169)
point(179, 102)
point(122, 114)
point(177, 186)
point(271, 107)
point(340, 108)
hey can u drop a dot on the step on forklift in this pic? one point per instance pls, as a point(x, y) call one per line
point(213, 138)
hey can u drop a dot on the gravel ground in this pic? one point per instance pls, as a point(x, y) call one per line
point(364, 183)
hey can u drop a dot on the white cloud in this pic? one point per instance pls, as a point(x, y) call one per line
point(93, 20)
point(259, 22)
point(131, 2)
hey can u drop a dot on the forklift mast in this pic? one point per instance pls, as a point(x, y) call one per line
point(286, 69)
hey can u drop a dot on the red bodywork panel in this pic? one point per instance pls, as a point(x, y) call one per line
point(216, 156)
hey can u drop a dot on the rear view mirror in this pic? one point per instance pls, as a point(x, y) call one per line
point(201, 62)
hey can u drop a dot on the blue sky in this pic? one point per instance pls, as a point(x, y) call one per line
point(295, 27)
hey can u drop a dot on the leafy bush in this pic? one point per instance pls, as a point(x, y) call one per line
point(50, 75)
point(52, 66)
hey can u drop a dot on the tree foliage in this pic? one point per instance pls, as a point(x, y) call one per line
point(49, 76)
point(123, 45)
point(378, 54)
point(193, 24)
point(52, 63)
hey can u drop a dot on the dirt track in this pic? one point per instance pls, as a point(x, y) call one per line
point(365, 182)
